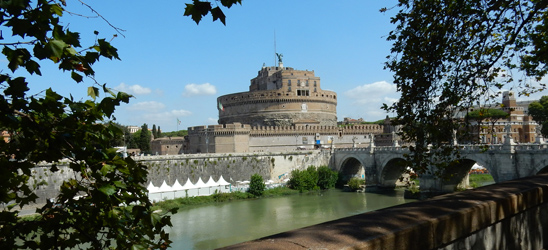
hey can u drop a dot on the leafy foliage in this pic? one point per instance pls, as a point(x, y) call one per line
point(122, 139)
point(175, 133)
point(355, 183)
point(327, 178)
point(91, 210)
point(312, 178)
point(199, 9)
point(539, 111)
point(482, 114)
point(449, 55)
point(144, 139)
point(256, 185)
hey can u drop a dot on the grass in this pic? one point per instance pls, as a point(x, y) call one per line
point(478, 180)
point(481, 178)
point(220, 197)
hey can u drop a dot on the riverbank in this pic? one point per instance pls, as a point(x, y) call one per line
point(221, 197)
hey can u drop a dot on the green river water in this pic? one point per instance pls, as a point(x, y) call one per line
point(223, 224)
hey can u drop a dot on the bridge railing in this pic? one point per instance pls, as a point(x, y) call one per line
point(462, 147)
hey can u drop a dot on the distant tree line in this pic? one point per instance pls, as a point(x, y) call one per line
point(140, 139)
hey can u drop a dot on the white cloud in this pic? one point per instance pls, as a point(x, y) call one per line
point(133, 89)
point(199, 89)
point(365, 101)
point(377, 92)
point(151, 106)
point(212, 120)
point(166, 117)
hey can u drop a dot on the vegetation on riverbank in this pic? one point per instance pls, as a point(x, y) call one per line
point(313, 178)
point(220, 197)
point(478, 180)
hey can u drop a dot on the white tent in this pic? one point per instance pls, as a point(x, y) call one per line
point(178, 190)
point(151, 188)
point(201, 186)
point(188, 184)
point(177, 186)
point(212, 185)
point(153, 193)
point(166, 191)
point(223, 184)
point(190, 189)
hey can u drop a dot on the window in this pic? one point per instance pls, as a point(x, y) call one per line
point(289, 89)
point(307, 83)
point(314, 83)
point(288, 82)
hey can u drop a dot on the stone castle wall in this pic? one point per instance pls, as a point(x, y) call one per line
point(244, 138)
point(234, 167)
point(278, 108)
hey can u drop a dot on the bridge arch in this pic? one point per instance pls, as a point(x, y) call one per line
point(457, 174)
point(542, 169)
point(391, 172)
point(351, 167)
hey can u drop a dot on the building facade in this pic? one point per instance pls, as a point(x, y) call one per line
point(167, 146)
point(519, 126)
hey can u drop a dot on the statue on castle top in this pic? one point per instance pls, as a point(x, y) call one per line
point(279, 55)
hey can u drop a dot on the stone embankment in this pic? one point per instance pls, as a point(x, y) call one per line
point(508, 215)
point(233, 167)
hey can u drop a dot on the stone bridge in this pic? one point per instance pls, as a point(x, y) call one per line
point(383, 166)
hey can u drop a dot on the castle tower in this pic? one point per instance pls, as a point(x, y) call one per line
point(280, 96)
point(510, 106)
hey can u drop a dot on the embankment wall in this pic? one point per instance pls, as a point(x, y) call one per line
point(233, 167)
point(507, 215)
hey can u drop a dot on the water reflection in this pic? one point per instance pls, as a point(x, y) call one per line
point(212, 226)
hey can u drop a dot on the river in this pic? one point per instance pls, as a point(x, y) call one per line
point(223, 224)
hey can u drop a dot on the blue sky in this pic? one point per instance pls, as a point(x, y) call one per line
point(177, 69)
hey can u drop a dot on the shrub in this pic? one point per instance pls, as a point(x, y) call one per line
point(354, 183)
point(304, 180)
point(256, 185)
point(327, 177)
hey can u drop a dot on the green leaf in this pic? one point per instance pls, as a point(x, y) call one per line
point(55, 8)
point(217, 13)
point(78, 78)
point(57, 47)
point(108, 189)
point(106, 169)
point(120, 184)
point(93, 92)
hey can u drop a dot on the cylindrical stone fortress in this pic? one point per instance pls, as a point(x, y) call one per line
point(280, 96)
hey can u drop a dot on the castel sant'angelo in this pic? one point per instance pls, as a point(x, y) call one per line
point(285, 109)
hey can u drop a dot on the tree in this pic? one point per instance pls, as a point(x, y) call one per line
point(154, 131)
point(159, 132)
point(90, 210)
point(122, 139)
point(256, 185)
point(304, 179)
point(450, 55)
point(327, 178)
point(492, 116)
point(144, 139)
point(539, 111)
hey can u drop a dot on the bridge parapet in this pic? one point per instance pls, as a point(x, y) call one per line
point(353, 149)
point(391, 149)
point(529, 147)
